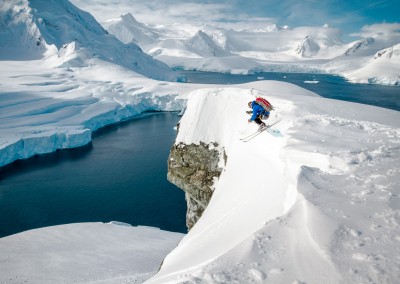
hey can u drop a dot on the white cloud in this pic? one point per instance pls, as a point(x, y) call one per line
point(156, 12)
point(384, 29)
point(153, 12)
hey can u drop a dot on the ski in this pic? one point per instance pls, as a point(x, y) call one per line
point(258, 132)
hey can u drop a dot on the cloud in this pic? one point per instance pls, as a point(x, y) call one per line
point(384, 29)
point(250, 14)
point(153, 11)
point(157, 12)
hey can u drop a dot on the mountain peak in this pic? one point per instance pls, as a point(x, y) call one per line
point(307, 47)
point(202, 44)
point(360, 45)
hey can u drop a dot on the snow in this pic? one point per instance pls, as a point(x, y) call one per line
point(319, 204)
point(382, 69)
point(85, 253)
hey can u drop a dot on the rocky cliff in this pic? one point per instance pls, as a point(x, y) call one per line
point(194, 168)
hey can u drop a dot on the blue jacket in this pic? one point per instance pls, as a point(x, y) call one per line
point(257, 110)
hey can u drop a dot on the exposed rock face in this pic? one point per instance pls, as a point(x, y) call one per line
point(194, 168)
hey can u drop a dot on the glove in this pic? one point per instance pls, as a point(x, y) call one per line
point(249, 112)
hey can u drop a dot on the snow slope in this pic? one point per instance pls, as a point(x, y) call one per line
point(127, 30)
point(319, 204)
point(71, 37)
point(85, 253)
point(386, 61)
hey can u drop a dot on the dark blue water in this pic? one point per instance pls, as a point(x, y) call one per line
point(329, 86)
point(120, 176)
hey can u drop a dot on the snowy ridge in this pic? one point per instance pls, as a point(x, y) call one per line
point(307, 47)
point(203, 45)
point(127, 29)
point(299, 209)
point(359, 46)
point(387, 61)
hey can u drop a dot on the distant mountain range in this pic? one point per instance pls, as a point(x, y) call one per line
point(275, 48)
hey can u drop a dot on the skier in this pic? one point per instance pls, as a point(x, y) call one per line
point(258, 112)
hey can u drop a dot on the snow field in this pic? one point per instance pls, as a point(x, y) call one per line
point(85, 253)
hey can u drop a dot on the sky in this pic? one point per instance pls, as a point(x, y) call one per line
point(351, 17)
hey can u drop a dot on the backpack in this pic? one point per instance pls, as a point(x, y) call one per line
point(264, 103)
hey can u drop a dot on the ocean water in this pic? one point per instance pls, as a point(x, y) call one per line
point(329, 86)
point(120, 176)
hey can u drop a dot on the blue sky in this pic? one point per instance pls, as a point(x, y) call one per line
point(349, 16)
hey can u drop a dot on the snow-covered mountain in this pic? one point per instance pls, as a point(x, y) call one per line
point(39, 28)
point(307, 47)
point(382, 68)
point(360, 46)
point(127, 29)
point(274, 48)
point(202, 44)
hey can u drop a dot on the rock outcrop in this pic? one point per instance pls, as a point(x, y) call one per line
point(194, 169)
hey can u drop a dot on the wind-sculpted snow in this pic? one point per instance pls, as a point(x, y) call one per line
point(319, 204)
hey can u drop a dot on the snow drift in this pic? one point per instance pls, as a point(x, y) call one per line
point(306, 207)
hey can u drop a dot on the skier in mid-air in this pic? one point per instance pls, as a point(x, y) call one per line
point(258, 112)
